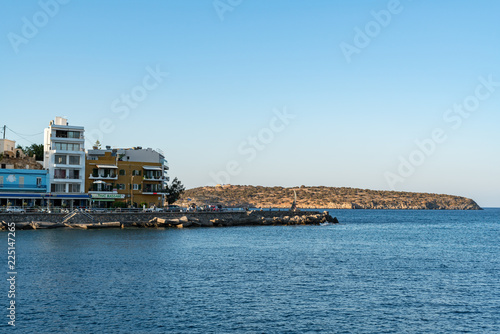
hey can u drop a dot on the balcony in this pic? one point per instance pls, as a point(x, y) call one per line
point(68, 179)
point(152, 190)
point(68, 135)
point(101, 187)
point(23, 187)
point(67, 175)
point(153, 178)
point(104, 172)
point(103, 176)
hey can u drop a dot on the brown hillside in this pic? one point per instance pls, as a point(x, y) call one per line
point(322, 198)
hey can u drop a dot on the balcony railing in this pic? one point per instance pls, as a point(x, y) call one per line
point(103, 177)
point(67, 177)
point(153, 178)
point(103, 191)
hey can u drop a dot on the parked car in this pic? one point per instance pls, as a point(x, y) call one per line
point(15, 209)
point(173, 208)
point(98, 210)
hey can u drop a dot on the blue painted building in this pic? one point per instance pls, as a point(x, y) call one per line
point(23, 187)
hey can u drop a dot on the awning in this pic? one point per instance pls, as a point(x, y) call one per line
point(152, 167)
point(99, 182)
point(107, 166)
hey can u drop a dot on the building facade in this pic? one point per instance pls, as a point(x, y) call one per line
point(23, 187)
point(8, 149)
point(23, 181)
point(133, 177)
point(64, 158)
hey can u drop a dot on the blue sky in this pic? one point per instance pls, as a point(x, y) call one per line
point(354, 117)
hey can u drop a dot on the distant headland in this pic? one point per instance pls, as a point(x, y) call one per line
point(322, 198)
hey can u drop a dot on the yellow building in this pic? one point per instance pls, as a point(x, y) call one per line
point(134, 177)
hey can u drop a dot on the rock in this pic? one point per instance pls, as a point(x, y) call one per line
point(328, 218)
point(267, 221)
point(174, 221)
point(277, 221)
point(46, 225)
point(205, 223)
point(160, 222)
point(81, 226)
point(111, 224)
point(23, 226)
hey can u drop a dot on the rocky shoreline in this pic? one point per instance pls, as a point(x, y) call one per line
point(189, 220)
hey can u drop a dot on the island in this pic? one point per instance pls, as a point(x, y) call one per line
point(321, 198)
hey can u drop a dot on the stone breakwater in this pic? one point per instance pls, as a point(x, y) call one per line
point(164, 220)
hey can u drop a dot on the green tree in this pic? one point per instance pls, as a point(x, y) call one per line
point(174, 191)
point(34, 149)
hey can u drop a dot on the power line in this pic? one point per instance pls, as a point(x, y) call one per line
point(21, 136)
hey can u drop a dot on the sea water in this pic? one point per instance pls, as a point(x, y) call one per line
point(376, 272)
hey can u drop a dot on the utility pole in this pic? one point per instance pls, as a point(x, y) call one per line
point(132, 189)
point(4, 129)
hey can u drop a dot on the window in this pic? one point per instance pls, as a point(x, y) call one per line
point(58, 188)
point(152, 188)
point(136, 172)
point(74, 188)
point(59, 173)
point(38, 182)
point(92, 157)
point(74, 160)
point(67, 147)
point(74, 174)
point(67, 134)
point(120, 186)
point(61, 134)
point(60, 159)
point(137, 186)
point(122, 172)
point(74, 134)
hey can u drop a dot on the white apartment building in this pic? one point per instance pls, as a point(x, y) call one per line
point(64, 158)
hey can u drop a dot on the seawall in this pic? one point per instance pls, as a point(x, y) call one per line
point(168, 219)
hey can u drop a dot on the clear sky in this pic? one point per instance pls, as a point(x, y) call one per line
point(359, 82)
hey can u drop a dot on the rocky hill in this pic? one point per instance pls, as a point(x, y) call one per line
point(322, 198)
point(20, 163)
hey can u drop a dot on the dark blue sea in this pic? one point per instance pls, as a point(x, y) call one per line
point(376, 272)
